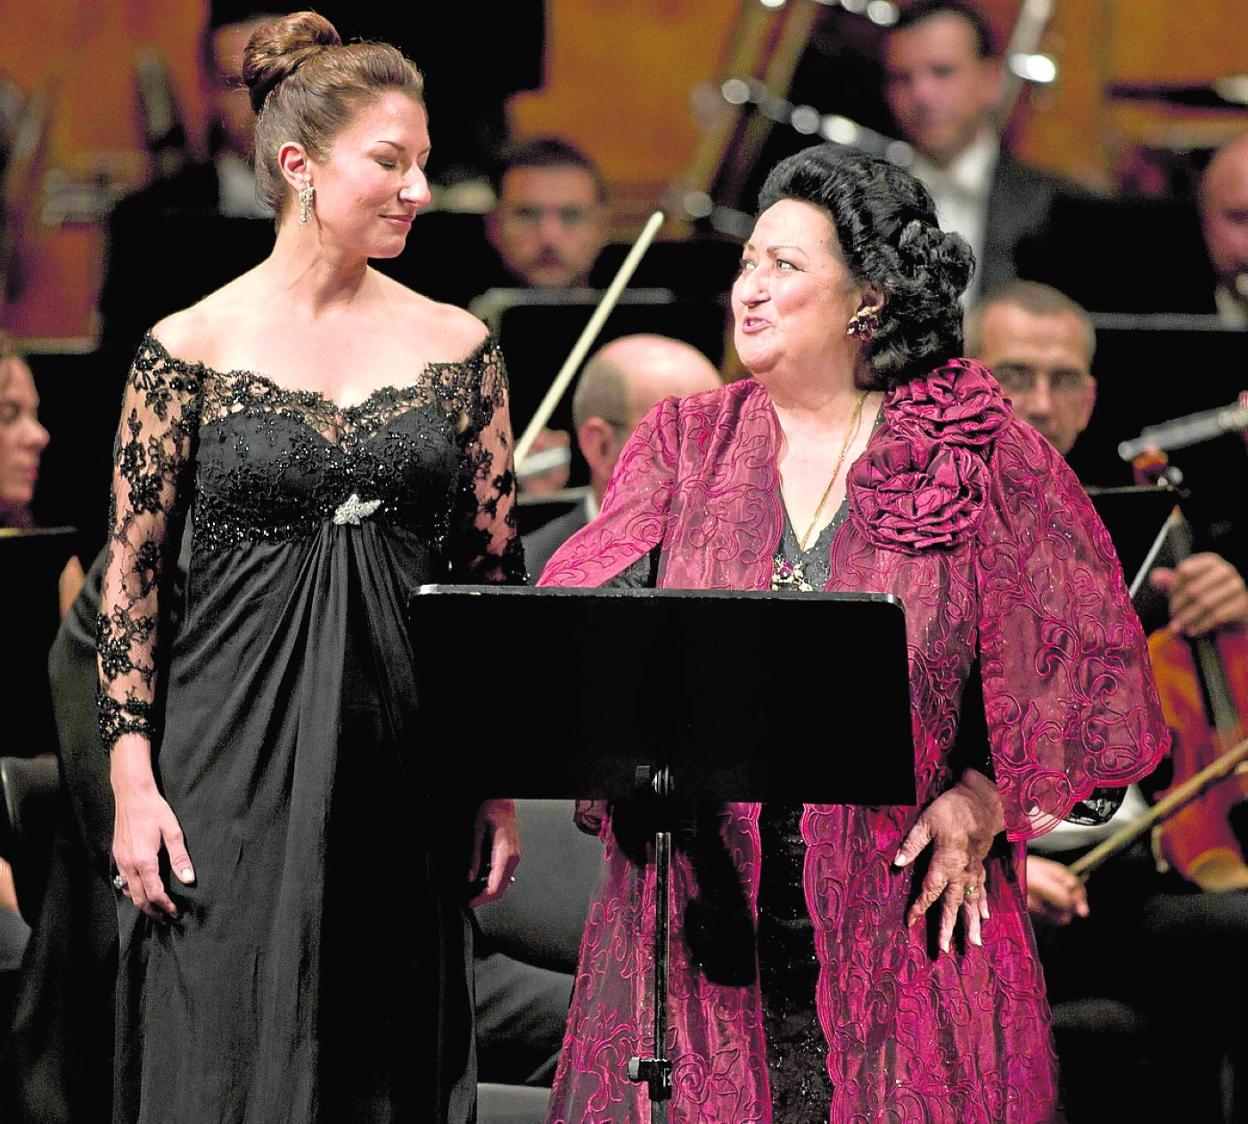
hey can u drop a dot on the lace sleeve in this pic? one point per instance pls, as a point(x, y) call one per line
point(1068, 690)
point(623, 541)
point(159, 417)
point(485, 545)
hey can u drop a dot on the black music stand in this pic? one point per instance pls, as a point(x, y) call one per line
point(1135, 516)
point(699, 688)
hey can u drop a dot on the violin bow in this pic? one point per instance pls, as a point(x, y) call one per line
point(1219, 769)
point(586, 339)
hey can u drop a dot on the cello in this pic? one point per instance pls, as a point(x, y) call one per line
point(1203, 685)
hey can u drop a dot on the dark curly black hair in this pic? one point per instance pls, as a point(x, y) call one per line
point(886, 224)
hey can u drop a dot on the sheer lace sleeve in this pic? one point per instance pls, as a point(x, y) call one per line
point(1068, 690)
point(159, 418)
point(485, 545)
point(621, 543)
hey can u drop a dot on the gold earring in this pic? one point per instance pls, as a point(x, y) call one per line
point(306, 191)
point(863, 325)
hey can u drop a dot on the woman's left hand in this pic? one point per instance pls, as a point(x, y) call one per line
point(495, 849)
point(961, 824)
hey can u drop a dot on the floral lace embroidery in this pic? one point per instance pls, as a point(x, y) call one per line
point(431, 458)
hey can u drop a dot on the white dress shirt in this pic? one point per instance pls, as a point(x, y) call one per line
point(1072, 836)
point(1231, 310)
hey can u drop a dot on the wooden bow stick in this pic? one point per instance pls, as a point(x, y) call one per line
point(1180, 797)
point(586, 340)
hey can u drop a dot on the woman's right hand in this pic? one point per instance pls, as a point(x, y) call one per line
point(143, 822)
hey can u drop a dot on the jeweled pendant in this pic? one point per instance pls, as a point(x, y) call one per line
point(788, 575)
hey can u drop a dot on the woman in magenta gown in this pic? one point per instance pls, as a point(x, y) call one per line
point(824, 992)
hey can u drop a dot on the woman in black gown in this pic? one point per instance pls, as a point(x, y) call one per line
point(331, 441)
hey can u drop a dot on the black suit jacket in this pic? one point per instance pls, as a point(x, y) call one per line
point(1091, 248)
point(1021, 206)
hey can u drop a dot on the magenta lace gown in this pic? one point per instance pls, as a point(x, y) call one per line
point(976, 523)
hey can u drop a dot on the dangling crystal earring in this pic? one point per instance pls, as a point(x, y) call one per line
point(862, 325)
point(306, 190)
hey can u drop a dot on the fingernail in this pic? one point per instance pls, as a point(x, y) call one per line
point(977, 942)
point(187, 874)
point(944, 946)
point(900, 860)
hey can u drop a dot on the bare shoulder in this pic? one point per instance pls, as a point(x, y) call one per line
point(443, 331)
point(193, 333)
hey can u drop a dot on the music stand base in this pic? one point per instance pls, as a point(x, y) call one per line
point(657, 1075)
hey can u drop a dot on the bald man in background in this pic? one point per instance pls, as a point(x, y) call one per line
point(1224, 220)
point(619, 385)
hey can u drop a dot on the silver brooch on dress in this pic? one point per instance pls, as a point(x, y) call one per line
point(354, 510)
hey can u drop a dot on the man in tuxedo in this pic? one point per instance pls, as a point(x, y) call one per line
point(943, 84)
point(617, 388)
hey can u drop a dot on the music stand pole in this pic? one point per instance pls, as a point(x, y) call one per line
point(656, 1071)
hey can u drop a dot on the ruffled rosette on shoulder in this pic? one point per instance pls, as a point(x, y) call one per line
point(922, 484)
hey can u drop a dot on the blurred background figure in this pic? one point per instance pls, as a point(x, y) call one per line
point(1039, 344)
point(22, 441)
point(943, 81)
point(177, 219)
point(615, 391)
point(1224, 219)
point(547, 228)
point(550, 221)
point(22, 437)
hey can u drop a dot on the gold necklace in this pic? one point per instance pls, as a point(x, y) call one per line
point(851, 431)
point(791, 575)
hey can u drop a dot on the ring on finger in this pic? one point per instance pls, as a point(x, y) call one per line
point(119, 883)
point(972, 891)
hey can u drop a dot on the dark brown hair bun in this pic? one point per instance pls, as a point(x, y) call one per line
point(280, 47)
point(306, 86)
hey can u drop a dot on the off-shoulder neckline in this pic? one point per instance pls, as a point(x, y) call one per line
point(308, 396)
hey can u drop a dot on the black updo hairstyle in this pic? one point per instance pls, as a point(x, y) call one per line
point(886, 224)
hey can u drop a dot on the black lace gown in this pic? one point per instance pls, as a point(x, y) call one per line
point(294, 986)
